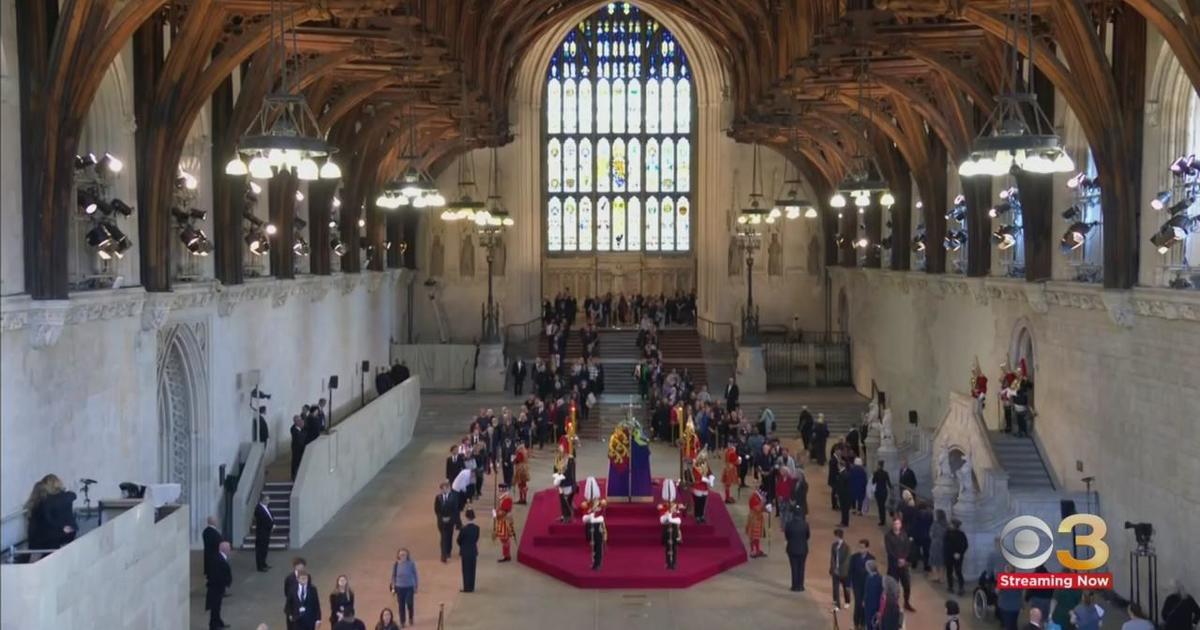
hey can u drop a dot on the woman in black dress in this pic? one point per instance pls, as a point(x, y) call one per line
point(51, 514)
point(340, 599)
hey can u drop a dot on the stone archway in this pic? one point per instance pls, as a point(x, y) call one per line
point(1023, 346)
point(183, 434)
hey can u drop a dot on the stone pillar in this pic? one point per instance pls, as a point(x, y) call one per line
point(489, 368)
point(751, 370)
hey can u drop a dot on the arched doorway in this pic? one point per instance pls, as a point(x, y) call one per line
point(1023, 349)
point(183, 418)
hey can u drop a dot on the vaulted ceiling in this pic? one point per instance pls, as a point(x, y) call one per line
point(376, 70)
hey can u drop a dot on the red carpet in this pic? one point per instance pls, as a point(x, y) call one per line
point(634, 556)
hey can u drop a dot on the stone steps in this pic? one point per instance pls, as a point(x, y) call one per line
point(279, 497)
point(1021, 460)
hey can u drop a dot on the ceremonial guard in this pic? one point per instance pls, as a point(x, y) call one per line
point(521, 472)
point(593, 520)
point(504, 528)
point(689, 443)
point(700, 480)
point(564, 475)
point(756, 522)
point(729, 474)
point(668, 516)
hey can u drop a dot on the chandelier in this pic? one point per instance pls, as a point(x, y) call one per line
point(863, 179)
point(493, 216)
point(284, 135)
point(757, 212)
point(791, 203)
point(465, 206)
point(1018, 135)
point(415, 187)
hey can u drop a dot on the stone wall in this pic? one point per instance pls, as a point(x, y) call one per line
point(340, 463)
point(1116, 379)
point(130, 573)
point(80, 393)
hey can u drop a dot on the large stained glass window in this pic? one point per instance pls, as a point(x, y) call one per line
point(618, 138)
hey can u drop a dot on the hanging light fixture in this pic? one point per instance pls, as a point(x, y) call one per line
point(1011, 141)
point(493, 212)
point(756, 212)
point(466, 206)
point(863, 179)
point(285, 134)
point(791, 203)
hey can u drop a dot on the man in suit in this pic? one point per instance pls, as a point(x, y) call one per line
point(299, 565)
point(839, 569)
point(908, 478)
point(468, 550)
point(212, 541)
point(264, 522)
point(858, 579)
point(303, 607)
point(899, 549)
point(299, 441)
point(796, 533)
point(1035, 619)
point(220, 576)
point(445, 510)
point(519, 369)
point(264, 432)
point(731, 394)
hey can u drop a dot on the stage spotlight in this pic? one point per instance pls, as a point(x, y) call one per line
point(270, 229)
point(300, 223)
point(300, 247)
point(122, 207)
point(1180, 206)
point(362, 223)
point(338, 247)
point(87, 201)
point(198, 214)
point(1000, 209)
point(258, 242)
point(862, 243)
point(1184, 165)
point(201, 246)
point(1006, 237)
point(954, 240)
point(1160, 200)
point(255, 188)
point(89, 160)
point(1072, 214)
point(1142, 532)
point(190, 236)
point(886, 243)
point(98, 236)
point(1076, 234)
point(299, 196)
point(110, 162)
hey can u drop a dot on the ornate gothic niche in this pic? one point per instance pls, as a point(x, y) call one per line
point(183, 390)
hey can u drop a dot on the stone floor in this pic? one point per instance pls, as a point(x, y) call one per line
point(395, 511)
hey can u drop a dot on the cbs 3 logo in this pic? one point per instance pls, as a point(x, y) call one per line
point(1029, 534)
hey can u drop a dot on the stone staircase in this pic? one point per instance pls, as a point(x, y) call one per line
point(279, 494)
point(1019, 457)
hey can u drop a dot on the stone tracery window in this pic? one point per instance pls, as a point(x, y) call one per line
point(618, 137)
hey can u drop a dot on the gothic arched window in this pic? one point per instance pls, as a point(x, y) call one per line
point(618, 137)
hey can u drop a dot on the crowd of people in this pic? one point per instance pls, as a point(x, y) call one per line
point(610, 310)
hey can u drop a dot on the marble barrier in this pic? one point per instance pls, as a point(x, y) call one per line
point(131, 572)
point(440, 366)
point(340, 463)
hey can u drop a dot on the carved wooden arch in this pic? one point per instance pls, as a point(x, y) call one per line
point(1182, 35)
point(955, 144)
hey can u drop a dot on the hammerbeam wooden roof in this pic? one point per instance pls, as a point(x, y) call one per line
point(921, 71)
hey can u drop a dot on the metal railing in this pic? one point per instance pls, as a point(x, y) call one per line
point(719, 332)
point(814, 362)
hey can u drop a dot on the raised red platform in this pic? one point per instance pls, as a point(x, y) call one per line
point(634, 557)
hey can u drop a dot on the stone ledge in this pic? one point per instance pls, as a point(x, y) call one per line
point(1123, 306)
point(45, 319)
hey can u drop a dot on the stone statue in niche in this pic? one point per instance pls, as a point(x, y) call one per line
point(775, 256)
point(814, 256)
point(735, 258)
point(466, 257)
point(501, 258)
point(966, 478)
point(437, 257)
point(943, 464)
point(886, 437)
